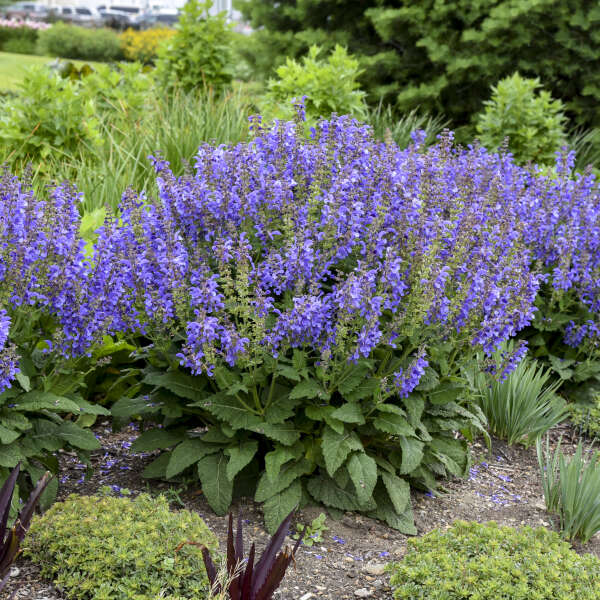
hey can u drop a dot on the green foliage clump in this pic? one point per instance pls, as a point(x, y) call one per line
point(529, 117)
point(200, 54)
point(524, 405)
point(327, 85)
point(442, 56)
point(572, 489)
point(55, 114)
point(71, 41)
point(586, 416)
point(18, 39)
point(101, 548)
point(472, 561)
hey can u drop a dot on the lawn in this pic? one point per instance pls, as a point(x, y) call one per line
point(13, 66)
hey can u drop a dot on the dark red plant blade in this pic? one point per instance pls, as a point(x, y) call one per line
point(231, 562)
point(265, 563)
point(211, 570)
point(24, 518)
point(247, 581)
point(6, 493)
point(239, 540)
point(10, 550)
point(274, 577)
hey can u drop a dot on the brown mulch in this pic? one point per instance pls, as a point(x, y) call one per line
point(503, 486)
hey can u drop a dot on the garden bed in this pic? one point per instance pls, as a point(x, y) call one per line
point(503, 486)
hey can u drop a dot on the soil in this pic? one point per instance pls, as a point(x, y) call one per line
point(503, 486)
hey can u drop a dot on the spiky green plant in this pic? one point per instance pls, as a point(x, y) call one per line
point(572, 490)
point(524, 405)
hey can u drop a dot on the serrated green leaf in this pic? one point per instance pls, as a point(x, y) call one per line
point(284, 433)
point(288, 473)
point(412, 454)
point(385, 511)
point(298, 360)
point(110, 347)
point(445, 393)
point(216, 486)
point(155, 439)
point(230, 410)
point(187, 453)
point(288, 372)
point(90, 408)
point(23, 381)
point(157, 469)
point(181, 384)
point(78, 437)
point(365, 389)
point(429, 380)
point(239, 456)
point(309, 388)
point(10, 455)
point(352, 376)
point(336, 447)
point(363, 473)
point(130, 407)
point(394, 424)
point(398, 491)
point(7, 436)
point(350, 412)
point(281, 409)
point(277, 457)
point(280, 505)
point(323, 413)
point(323, 489)
point(35, 401)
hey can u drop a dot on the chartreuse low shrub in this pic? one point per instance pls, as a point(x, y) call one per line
point(109, 548)
point(472, 561)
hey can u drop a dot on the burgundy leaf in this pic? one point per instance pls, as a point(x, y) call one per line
point(6, 493)
point(24, 518)
point(266, 560)
point(239, 540)
point(247, 581)
point(211, 570)
point(231, 562)
point(274, 576)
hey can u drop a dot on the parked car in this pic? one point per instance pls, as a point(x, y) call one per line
point(158, 18)
point(81, 15)
point(27, 10)
point(117, 19)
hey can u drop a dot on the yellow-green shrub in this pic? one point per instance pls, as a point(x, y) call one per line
point(472, 561)
point(142, 46)
point(101, 548)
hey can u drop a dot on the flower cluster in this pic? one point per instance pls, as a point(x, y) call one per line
point(26, 23)
point(338, 242)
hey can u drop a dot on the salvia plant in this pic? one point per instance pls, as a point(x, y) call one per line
point(572, 489)
point(250, 580)
point(310, 310)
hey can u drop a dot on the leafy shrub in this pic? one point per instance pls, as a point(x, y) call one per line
point(523, 405)
point(71, 41)
point(485, 562)
point(199, 55)
point(142, 46)
point(441, 56)
point(333, 366)
point(561, 214)
point(45, 331)
point(326, 86)
point(572, 490)
point(121, 548)
point(532, 120)
point(586, 416)
point(15, 35)
point(58, 115)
